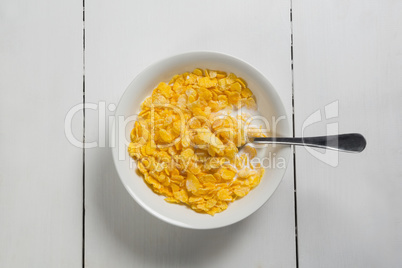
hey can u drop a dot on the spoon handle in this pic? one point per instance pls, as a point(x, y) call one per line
point(353, 142)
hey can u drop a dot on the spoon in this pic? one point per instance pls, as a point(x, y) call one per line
point(352, 142)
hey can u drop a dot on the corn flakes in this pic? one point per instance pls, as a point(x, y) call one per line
point(185, 140)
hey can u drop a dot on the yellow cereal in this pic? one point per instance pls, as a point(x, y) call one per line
point(207, 178)
point(245, 93)
point(251, 151)
point(210, 203)
point(231, 78)
point(172, 200)
point(165, 90)
point(224, 194)
point(207, 82)
point(186, 142)
point(234, 98)
point(236, 87)
point(192, 183)
point(188, 153)
point(250, 103)
point(197, 72)
point(227, 174)
point(205, 93)
point(165, 136)
point(212, 74)
point(242, 82)
point(245, 173)
point(240, 192)
point(195, 199)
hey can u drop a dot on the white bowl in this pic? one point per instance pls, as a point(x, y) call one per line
point(269, 105)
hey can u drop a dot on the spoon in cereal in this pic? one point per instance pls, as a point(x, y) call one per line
point(352, 142)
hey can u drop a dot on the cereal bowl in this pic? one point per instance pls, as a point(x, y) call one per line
point(274, 158)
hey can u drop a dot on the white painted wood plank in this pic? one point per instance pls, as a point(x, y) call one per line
point(350, 52)
point(40, 171)
point(122, 38)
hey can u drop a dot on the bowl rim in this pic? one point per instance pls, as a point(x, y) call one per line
point(114, 151)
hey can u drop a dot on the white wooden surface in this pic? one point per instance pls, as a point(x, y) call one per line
point(345, 51)
point(40, 171)
point(351, 52)
point(122, 38)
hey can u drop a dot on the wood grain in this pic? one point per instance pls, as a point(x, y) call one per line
point(40, 171)
point(350, 52)
point(124, 37)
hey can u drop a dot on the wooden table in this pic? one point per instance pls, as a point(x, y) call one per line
point(338, 61)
